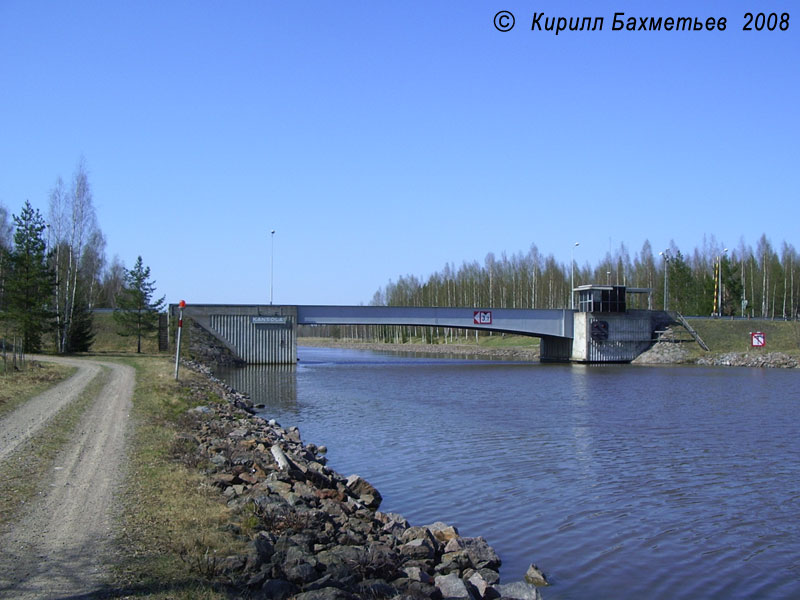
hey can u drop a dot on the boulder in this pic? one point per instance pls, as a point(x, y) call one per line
point(534, 576)
point(482, 587)
point(276, 589)
point(443, 532)
point(364, 491)
point(481, 554)
point(519, 590)
point(452, 586)
point(453, 562)
point(417, 549)
point(328, 593)
point(417, 574)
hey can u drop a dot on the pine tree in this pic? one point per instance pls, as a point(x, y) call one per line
point(29, 282)
point(137, 313)
point(81, 331)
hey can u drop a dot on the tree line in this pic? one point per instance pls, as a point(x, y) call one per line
point(712, 279)
point(759, 282)
point(54, 273)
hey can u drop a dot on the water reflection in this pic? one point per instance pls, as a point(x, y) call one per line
point(274, 386)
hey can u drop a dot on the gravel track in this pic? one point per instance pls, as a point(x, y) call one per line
point(18, 426)
point(59, 546)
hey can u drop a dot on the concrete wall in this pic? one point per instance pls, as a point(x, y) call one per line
point(256, 334)
point(611, 337)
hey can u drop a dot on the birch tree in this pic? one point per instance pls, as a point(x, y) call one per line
point(74, 231)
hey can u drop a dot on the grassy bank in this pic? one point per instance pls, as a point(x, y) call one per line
point(725, 335)
point(108, 341)
point(176, 529)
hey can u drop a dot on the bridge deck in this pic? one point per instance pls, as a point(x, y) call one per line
point(535, 322)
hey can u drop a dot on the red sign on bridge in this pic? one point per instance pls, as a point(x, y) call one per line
point(482, 317)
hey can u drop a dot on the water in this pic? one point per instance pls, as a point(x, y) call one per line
point(618, 481)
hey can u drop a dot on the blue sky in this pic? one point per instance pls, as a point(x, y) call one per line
point(388, 138)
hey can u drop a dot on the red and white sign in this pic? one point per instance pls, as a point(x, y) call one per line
point(482, 317)
point(758, 339)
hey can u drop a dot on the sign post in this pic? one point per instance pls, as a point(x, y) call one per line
point(178, 344)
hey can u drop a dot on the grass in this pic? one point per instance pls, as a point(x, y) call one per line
point(17, 387)
point(176, 526)
point(726, 335)
point(108, 341)
point(25, 471)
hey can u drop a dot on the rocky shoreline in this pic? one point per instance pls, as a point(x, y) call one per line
point(317, 535)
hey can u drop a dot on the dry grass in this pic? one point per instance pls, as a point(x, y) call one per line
point(108, 341)
point(176, 527)
point(17, 387)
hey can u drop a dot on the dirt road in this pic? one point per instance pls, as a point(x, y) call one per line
point(58, 546)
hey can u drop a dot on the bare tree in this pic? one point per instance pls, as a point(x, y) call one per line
point(74, 230)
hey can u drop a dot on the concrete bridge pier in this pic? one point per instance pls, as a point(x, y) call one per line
point(253, 333)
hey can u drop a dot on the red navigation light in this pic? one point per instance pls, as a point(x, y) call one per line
point(182, 303)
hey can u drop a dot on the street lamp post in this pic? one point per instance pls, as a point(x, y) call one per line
point(572, 276)
point(666, 256)
point(271, 263)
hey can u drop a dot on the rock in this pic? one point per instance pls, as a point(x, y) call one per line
point(280, 457)
point(417, 574)
point(482, 587)
point(418, 533)
point(481, 554)
point(417, 549)
point(534, 576)
point(376, 588)
point(451, 586)
point(491, 576)
point(518, 590)
point(300, 572)
point(218, 460)
point(443, 532)
point(454, 562)
point(276, 589)
point(264, 544)
point(328, 593)
point(318, 535)
point(239, 433)
point(364, 491)
point(223, 479)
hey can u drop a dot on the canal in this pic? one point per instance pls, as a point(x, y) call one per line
point(617, 481)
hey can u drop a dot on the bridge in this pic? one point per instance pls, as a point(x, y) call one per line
point(601, 330)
